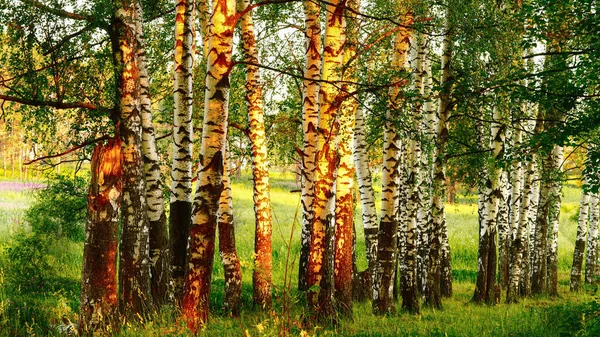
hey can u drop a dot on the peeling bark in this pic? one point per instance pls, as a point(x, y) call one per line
point(99, 297)
point(134, 265)
point(319, 289)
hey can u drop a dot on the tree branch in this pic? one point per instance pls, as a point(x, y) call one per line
point(66, 14)
point(89, 142)
point(56, 105)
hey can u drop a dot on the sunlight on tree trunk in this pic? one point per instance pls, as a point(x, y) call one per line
point(181, 168)
point(201, 247)
point(310, 122)
point(99, 298)
point(134, 266)
point(319, 286)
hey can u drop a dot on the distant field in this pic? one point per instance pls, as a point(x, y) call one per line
point(532, 317)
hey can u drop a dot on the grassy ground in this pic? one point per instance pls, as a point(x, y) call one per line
point(36, 312)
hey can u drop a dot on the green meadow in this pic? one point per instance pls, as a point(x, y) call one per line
point(34, 304)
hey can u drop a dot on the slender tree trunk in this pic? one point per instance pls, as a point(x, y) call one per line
point(201, 248)
point(229, 257)
point(383, 300)
point(99, 298)
point(579, 251)
point(134, 265)
point(261, 278)
point(520, 240)
point(310, 122)
point(344, 203)
point(159, 236)
point(415, 181)
point(553, 219)
point(539, 266)
point(367, 194)
point(181, 167)
point(592, 242)
point(504, 231)
point(319, 300)
point(488, 229)
point(439, 188)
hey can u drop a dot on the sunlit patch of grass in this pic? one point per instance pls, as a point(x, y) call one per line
point(532, 317)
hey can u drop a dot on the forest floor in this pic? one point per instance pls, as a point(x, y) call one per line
point(34, 306)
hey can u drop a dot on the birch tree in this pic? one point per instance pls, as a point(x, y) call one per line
point(438, 211)
point(181, 167)
point(159, 236)
point(383, 300)
point(310, 122)
point(134, 263)
point(195, 305)
point(99, 297)
point(261, 278)
point(582, 229)
point(319, 287)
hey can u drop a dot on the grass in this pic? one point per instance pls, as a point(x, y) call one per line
point(37, 312)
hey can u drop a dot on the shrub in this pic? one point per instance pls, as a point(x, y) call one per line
point(59, 209)
point(28, 265)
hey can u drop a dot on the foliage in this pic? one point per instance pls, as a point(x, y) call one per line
point(59, 209)
point(28, 266)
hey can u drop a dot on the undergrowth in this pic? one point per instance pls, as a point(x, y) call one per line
point(40, 266)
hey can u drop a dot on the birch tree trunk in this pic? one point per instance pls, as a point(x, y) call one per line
point(310, 122)
point(553, 219)
point(344, 190)
point(383, 300)
point(319, 297)
point(439, 188)
point(195, 306)
point(417, 227)
point(488, 229)
point(517, 272)
point(134, 265)
point(228, 253)
point(99, 298)
point(504, 231)
point(582, 226)
point(592, 242)
point(159, 236)
point(367, 194)
point(261, 278)
point(181, 167)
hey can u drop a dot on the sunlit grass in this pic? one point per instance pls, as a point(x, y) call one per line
point(532, 317)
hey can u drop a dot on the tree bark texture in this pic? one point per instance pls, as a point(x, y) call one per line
point(383, 300)
point(181, 167)
point(344, 191)
point(553, 219)
point(488, 227)
point(518, 253)
point(228, 253)
point(261, 278)
point(438, 212)
point(319, 296)
point(201, 246)
point(310, 122)
point(159, 235)
point(592, 242)
point(582, 227)
point(134, 265)
point(99, 298)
